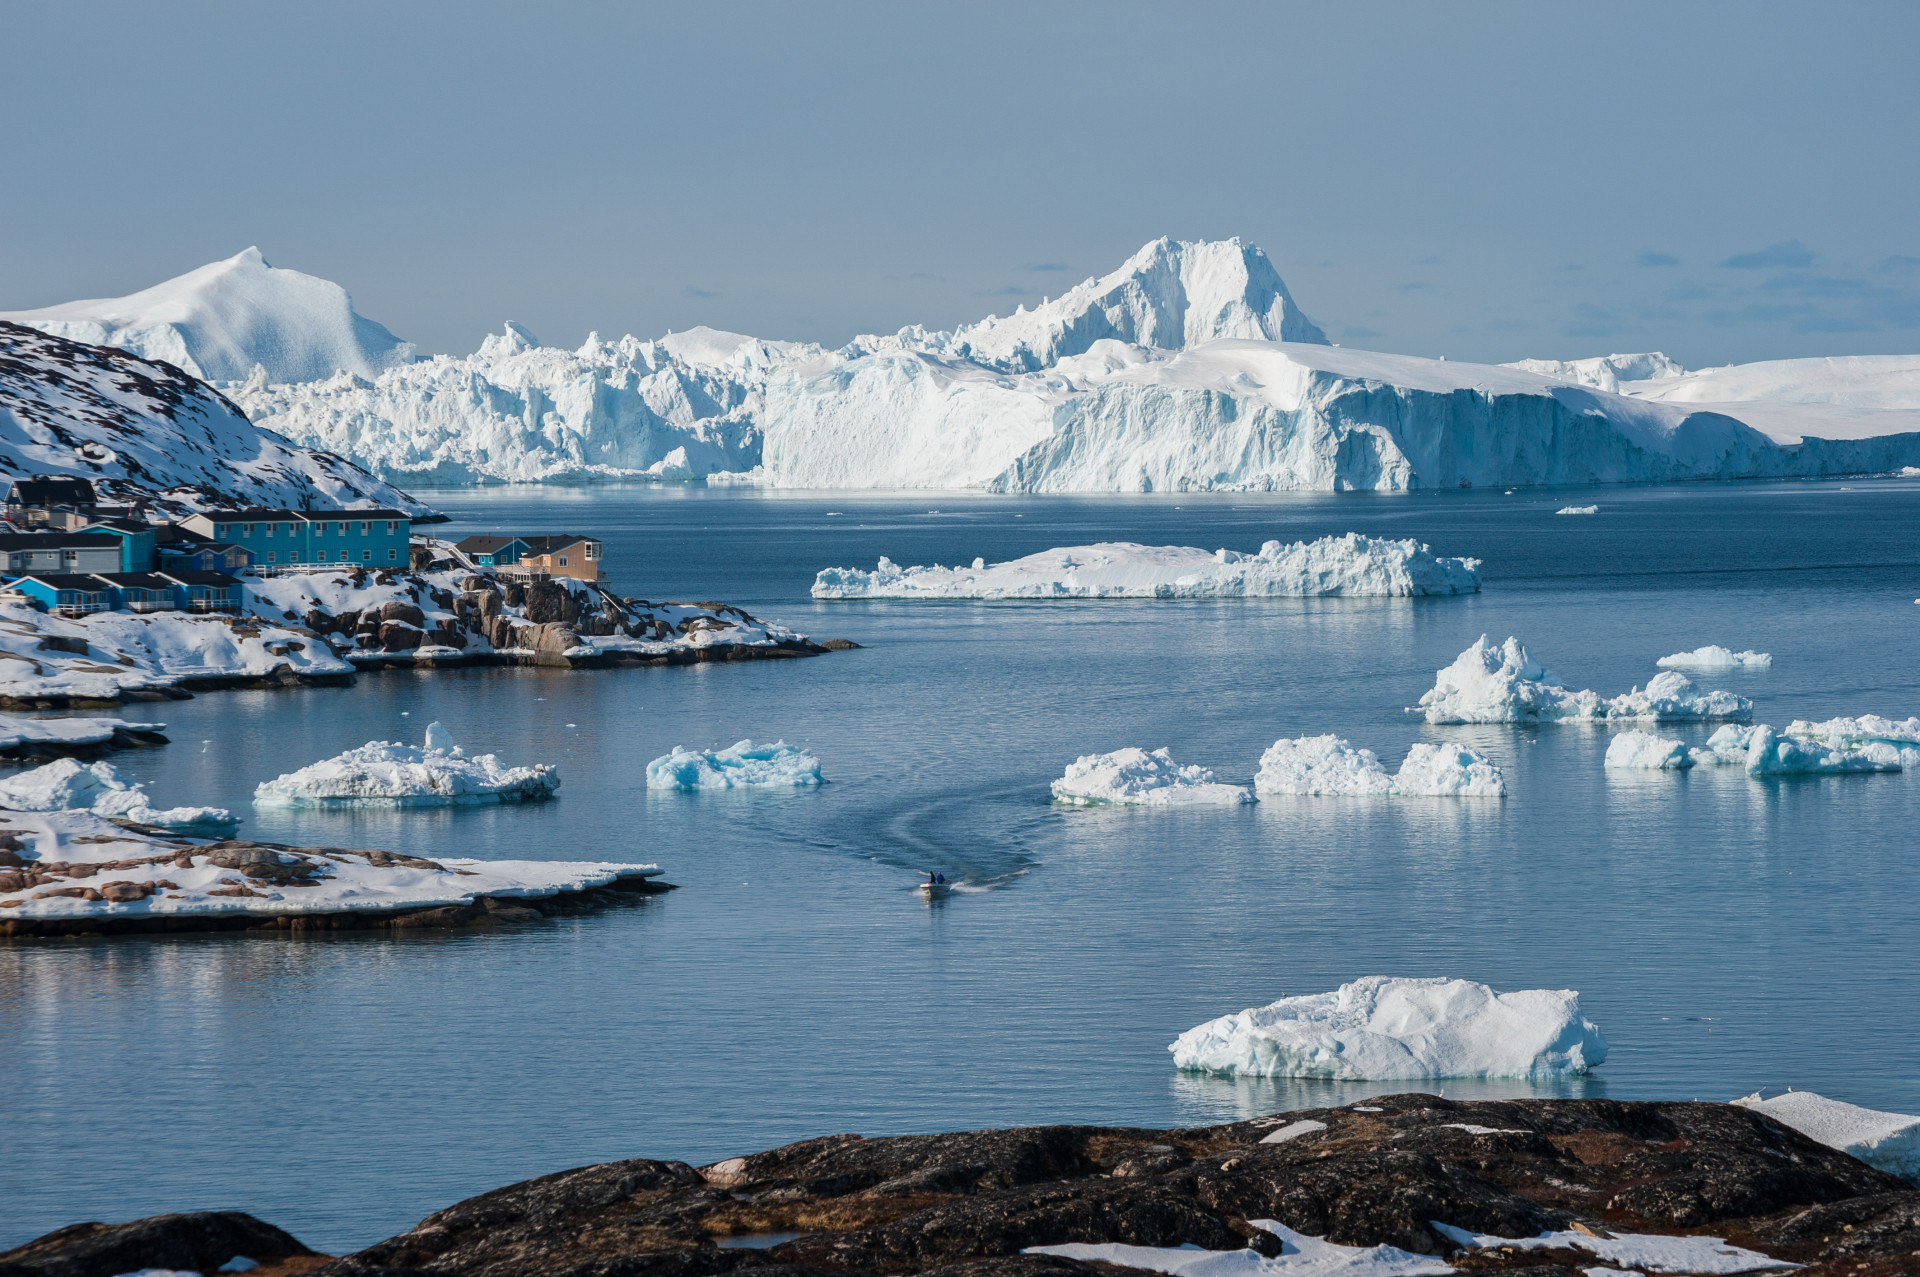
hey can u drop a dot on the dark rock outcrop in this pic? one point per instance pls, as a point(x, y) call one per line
point(199, 1242)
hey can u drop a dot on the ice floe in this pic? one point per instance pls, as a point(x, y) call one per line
point(1136, 778)
point(740, 764)
point(1502, 683)
point(1713, 656)
point(1330, 765)
point(67, 784)
point(1578, 509)
point(1300, 1256)
point(1350, 564)
point(390, 774)
point(1889, 1141)
point(1645, 750)
point(76, 865)
point(1643, 1252)
point(1771, 754)
point(1868, 729)
point(1386, 1028)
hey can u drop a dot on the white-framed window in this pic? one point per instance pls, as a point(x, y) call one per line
point(322, 556)
point(365, 527)
point(563, 560)
point(393, 526)
point(393, 556)
point(593, 551)
point(270, 554)
point(293, 556)
point(366, 556)
point(247, 528)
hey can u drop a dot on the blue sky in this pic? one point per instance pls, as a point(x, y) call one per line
point(1725, 182)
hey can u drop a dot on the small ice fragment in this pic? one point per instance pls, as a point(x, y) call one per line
point(1713, 656)
point(438, 737)
point(1578, 509)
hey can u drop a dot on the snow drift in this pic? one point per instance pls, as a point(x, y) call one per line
point(222, 320)
point(739, 765)
point(1889, 1141)
point(1330, 765)
point(1350, 564)
point(1299, 1256)
point(140, 428)
point(1504, 684)
point(1136, 778)
point(69, 785)
point(1633, 1252)
point(389, 774)
point(1386, 1029)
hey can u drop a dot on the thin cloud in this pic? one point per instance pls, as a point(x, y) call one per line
point(1006, 290)
point(1650, 258)
point(1788, 254)
point(1900, 265)
point(1358, 332)
point(1597, 321)
point(700, 293)
point(1416, 288)
point(1050, 267)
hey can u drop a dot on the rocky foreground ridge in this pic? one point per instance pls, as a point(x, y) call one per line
point(1388, 1170)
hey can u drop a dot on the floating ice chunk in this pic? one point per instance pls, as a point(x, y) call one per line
point(1300, 1256)
point(1504, 684)
point(1350, 564)
point(1771, 754)
point(1713, 656)
point(1578, 509)
point(1727, 747)
point(1383, 1028)
point(389, 774)
point(1330, 765)
point(1889, 1141)
point(1647, 1252)
point(1868, 729)
point(69, 785)
point(1134, 777)
point(740, 764)
point(1644, 749)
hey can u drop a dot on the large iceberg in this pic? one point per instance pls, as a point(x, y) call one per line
point(1889, 1141)
point(69, 785)
point(1350, 564)
point(1300, 1256)
point(1502, 683)
point(226, 318)
point(739, 765)
point(1713, 656)
point(1385, 1029)
point(386, 773)
point(1330, 765)
point(1136, 778)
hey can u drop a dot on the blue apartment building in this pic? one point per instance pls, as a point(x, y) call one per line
point(276, 538)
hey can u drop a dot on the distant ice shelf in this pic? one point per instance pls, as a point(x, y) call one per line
point(1383, 1028)
point(1336, 565)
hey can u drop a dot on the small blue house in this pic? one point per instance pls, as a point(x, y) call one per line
point(138, 542)
point(68, 593)
point(492, 552)
point(198, 591)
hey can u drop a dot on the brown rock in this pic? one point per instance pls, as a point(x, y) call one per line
point(121, 891)
point(405, 613)
point(398, 636)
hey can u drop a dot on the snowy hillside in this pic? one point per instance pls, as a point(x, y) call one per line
point(1189, 368)
point(217, 322)
point(148, 429)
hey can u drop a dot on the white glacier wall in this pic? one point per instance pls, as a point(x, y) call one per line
point(219, 321)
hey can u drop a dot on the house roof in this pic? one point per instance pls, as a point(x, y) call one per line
point(52, 490)
point(59, 540)
point(486, 545)
point(64, 581)
point(549, 544)
point(202, 547)
point(194, 576)
point(118, 526)
point(256, 514)
point(135, 580)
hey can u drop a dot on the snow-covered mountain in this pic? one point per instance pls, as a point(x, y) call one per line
point(147, 429)
point(219, 321)
point(1188, 368)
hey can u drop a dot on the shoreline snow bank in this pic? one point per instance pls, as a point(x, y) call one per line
point(1135, 778)
point(387, 773)
point(739, 765)
point(1640, 1252)
point(67, 784)
point(1712, 657)
point(1336, 565)
point(1300, 1256)
point(1383, 1028)
point(1504, 684)
point(1330, 765)
point(1887, 1141)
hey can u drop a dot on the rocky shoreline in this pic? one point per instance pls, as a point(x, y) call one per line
point(1544, 1188)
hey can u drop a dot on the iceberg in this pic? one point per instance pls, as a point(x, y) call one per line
point(1330, 765)
point(1606, 372)
point(1578, 509)
point(1334, 565)
point(1771, 754)
point(389, 774)
point(1638, 749)
point(1635, 1252)
point(740, 764)
point(1714, 656)
point(69, 785)
point(1300, 1256)
point(220, 322)
point(1868, 729)
point(1888, 1141)
point(1504, 684)
point(1136, 778)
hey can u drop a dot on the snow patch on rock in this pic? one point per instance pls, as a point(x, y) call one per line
point(1300, 1256)
point(1889, 1141)
point(1385, 1028)
point(1641, 1252)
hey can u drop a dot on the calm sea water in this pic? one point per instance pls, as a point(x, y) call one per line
point(1727, 934)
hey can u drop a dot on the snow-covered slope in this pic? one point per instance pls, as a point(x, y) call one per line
point(1856, 397)
point(71, 408)
point(217, 322)
point(1604, 372)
